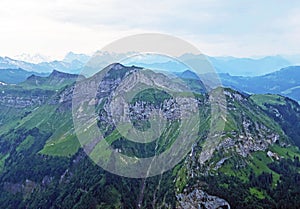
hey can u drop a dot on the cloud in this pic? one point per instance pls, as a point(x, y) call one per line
point(217, 27)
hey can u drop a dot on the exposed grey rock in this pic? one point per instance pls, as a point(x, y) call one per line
point(199, 199)
point(21, 101)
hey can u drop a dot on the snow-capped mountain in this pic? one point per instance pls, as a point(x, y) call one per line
point(35, 59)
point(71, 57)
point(43, 67)
point(9, 63)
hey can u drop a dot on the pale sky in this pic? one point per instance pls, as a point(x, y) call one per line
point(218, 28)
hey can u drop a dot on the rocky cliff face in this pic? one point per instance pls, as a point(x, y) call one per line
point(198, 199)
point(22, 98)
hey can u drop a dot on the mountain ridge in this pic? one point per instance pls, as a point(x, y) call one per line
point(55, 80)
point(279, 82)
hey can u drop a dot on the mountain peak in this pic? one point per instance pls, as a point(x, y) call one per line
point(55, 80)
point(32, 76)
point(117, 70)
point(71, 56)
point(116, 66)
point(120, 67)
point(59, 74)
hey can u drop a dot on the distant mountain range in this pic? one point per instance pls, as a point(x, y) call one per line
point(232, 65)
point(44, 67)
point(248, 66)
point(272, 74)
point(37, 58)
point(285, 82)
point(73, 63)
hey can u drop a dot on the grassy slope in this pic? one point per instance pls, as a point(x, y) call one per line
point(62, 142)
point(258, 161)
point(261, 99)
